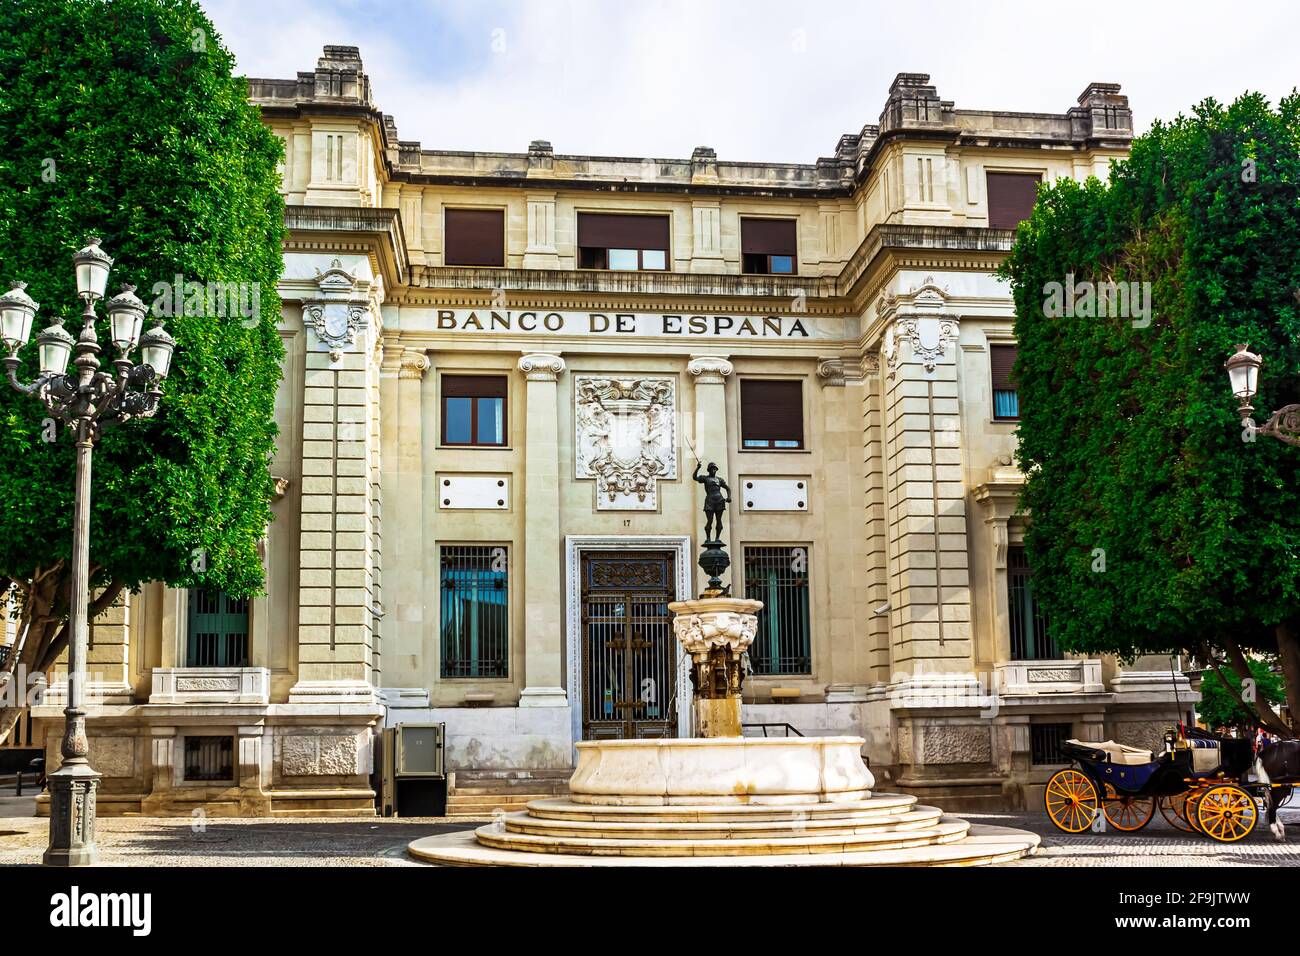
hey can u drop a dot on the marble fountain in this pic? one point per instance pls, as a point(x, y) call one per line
point(721, 799)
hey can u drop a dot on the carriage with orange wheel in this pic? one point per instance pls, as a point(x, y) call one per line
point(1195, 783)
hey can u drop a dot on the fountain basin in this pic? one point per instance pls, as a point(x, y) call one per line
point(720, 771)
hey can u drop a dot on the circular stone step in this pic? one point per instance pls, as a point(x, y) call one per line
point(983, 845)
point(789, 828)
point(878, 804)
point(947, 830)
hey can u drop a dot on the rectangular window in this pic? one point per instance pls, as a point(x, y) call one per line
point(767, 246)
point(1006, 400)
point(778, 576)
point(210, 759)
point(1045, 743)
point(1030, 632)
point(1011, 198)
point(474, 237)
point(474, 410)
point(475, 611)
point(218, 630)
point(622, 243)
point(771, 413)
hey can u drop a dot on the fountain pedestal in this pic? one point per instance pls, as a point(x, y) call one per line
point(716, 632)
point(720, 797)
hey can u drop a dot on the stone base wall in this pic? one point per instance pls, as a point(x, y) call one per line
point(498, 738)
point(287, 759)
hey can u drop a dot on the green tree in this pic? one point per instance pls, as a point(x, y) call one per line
point(1157, 525)
point(122, 119)
point(1221, 696)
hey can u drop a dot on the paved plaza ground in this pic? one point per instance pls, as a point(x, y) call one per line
point(154, 841)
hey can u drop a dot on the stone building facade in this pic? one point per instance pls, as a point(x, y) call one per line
point(499, 370)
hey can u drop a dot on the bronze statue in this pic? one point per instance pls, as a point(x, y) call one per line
point(715, 501)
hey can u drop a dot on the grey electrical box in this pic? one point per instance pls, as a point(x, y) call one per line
point(420, 750)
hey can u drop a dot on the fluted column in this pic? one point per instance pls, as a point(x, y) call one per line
point(542, 548)
point(710, 373)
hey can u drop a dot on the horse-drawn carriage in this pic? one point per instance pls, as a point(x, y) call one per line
point(1202, 782)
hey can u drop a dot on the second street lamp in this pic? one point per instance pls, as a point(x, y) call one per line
point(1243, 373)
point(88, 401)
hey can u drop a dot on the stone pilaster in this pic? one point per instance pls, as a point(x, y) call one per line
point(405, 620)
point(543, 555)
point(876, 538)
point(541, 253)
point(925, 496)
point(710, 373)
point(706, 237)
point(336, 597)
point(842, 382)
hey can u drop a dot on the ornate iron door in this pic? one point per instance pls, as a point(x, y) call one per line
point(629, 654)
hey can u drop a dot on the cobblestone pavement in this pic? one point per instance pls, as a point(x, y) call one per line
point(1158, 844)
point(153, 841)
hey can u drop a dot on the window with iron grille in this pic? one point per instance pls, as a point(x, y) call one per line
point(778, 576)
point(1031, 638)
point(218, 630)
point(475, 611)
point(1045, 743)
point(210, 758)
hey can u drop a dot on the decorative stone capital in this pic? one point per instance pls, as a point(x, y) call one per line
point(833, 371)
point(730, 623)
point(413, 364)
point(710, 369)
point(541, 366)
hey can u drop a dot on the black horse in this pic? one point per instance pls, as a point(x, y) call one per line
point(1278, 763)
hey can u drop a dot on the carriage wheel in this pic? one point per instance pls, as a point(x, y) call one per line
point(1227, 813)
point(1071, 801)
point(1129, 813)
point(1174, 809)
point(1189, 809)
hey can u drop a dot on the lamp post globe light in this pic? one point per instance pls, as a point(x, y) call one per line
point(1243, 373)
point(88, 401)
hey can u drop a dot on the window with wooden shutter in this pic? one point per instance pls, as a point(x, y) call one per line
point(1006, 400)
point(474, 410)
point(474, 237)
point(767, 246)
point(771, 413)
point(621, 242)
point(1011, 198)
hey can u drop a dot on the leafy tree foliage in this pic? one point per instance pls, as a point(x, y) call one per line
point(1157, 525)
point(1221, 696)
point(122, 119)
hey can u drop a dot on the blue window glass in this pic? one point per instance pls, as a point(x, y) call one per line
point(1006, 403)
point(782, 265)
point(491, 421)
point(460, 418)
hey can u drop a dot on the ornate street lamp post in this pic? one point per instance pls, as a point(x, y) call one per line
point(89, 401)
point(1243, 372)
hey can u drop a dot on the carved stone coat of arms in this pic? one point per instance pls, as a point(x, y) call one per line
point(625, 438)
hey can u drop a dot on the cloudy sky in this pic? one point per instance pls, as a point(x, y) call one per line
point(754, 79)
